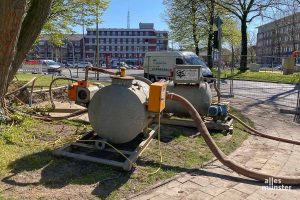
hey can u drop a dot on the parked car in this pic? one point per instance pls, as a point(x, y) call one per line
point(67, 64)
point(50, 66)
point(61, 64)
point(84, 64)
point(280, 67)
point(116, 64)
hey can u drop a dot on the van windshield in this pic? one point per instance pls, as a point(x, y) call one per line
point(194, 60)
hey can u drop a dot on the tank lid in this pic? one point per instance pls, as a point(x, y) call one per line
point(124, 81)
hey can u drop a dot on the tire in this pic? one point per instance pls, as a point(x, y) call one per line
point(152, 79)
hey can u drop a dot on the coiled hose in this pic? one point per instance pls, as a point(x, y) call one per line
point(292, 180)
point(50, 88)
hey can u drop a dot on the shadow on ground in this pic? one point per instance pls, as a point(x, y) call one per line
point(53, 173)
point(43, 169)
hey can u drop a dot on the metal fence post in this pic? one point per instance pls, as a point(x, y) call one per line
point(231, 80)
point(297, 114)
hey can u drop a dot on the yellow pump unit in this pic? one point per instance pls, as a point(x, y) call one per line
point(157, 97)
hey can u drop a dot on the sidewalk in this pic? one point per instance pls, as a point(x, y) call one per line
point(215, 181)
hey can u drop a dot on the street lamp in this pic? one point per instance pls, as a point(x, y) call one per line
point(138, 55)
point(73, 52)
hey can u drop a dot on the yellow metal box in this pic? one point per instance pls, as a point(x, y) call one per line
point(157, 97)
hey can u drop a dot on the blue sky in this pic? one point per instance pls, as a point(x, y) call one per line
point(141, 11)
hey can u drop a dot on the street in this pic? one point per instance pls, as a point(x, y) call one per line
point(282, 96)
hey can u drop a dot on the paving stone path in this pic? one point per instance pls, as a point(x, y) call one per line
point(215, 181)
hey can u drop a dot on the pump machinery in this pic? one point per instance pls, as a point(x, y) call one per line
point(126, 116)
point(119, 112)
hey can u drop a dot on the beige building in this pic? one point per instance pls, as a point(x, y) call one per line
point(278, 39)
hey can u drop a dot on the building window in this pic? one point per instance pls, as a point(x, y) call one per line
point(77, 44)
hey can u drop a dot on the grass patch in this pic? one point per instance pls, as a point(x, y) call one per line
point(26, 149)
point(44, 81)
point(259, 76)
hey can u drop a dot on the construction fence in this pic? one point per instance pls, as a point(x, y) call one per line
point(266, 82)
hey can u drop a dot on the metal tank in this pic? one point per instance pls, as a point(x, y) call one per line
point(118, 112)
point(199, 95)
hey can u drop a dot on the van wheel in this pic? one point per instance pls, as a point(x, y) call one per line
point(152, 79)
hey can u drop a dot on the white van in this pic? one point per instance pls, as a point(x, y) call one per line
point(160, 64)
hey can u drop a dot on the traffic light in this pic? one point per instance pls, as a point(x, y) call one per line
point(216, 40)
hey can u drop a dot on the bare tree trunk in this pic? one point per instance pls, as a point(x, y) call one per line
point(194, 28)
point(32, 25)
point(244, 51)
point(232, 56)
point(209, 51)
point(197, 50)
point(18, 31)
point(11, 13)
point(210, 34)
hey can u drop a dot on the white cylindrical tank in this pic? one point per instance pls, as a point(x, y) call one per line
point(118, 112)
point(199, 95)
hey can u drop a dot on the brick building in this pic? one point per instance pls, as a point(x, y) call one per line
point(72, 44)
point(115, 44)
point(128, 45)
